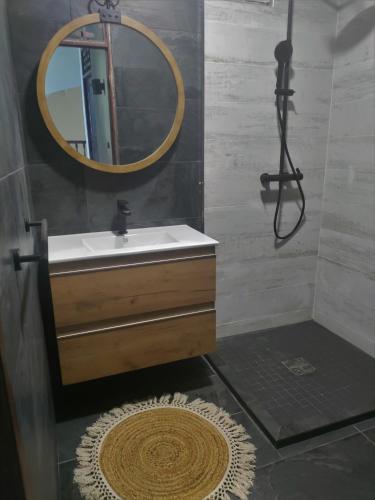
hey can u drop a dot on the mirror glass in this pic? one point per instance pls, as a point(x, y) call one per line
point(111, 93)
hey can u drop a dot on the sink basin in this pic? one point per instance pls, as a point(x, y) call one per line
point(85, 246)
point(114, 243)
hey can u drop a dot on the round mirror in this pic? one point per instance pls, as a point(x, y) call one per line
point(111, 95)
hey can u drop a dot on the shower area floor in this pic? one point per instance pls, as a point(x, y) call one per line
point(297, 381)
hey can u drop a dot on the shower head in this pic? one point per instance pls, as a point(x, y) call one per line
point(283, 55)
point(283, 52)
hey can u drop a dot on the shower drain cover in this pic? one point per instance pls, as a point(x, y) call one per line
point(299, 366)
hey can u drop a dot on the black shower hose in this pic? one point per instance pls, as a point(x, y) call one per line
point(279, 195)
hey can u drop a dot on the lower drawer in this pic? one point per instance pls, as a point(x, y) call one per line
point(122, 349)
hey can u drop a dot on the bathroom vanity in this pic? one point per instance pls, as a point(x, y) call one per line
point(127, 302)
point(121, 303)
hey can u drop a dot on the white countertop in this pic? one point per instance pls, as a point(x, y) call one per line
point(85, 246)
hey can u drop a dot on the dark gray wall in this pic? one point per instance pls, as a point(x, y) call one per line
point(78, 199)
point(146, 96)
point(26, 404)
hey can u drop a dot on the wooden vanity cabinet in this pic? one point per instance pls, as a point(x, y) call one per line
point(119, 314)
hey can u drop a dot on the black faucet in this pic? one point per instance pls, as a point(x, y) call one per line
point(123, 213)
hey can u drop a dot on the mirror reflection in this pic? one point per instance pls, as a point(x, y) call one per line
point(111, 93)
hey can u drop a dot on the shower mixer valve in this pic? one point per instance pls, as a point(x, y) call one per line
point(285, 177)
point(283, 56)
point(288, 92)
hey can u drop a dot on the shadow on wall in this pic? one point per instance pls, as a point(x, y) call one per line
point(277, 244)
point(355, 31)
point(290, 193)
point(339, 4)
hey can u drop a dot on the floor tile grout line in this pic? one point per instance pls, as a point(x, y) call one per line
point(10, 174)
point(282, 457)
point(325, 443)
point(308, 449)
point(351, 431)
point(372, 427)
point(366, 437)
point(237, 413)
point(244, 410)
point(66, 461)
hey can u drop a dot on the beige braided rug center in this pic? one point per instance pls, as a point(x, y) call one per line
point(165, 448)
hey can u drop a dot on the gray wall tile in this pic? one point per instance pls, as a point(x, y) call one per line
point(151, 198)
point(260, 282)
point(344, 303)
point(355, 38)
point(157, 14)
point(28, 38)
point(58, 193)
point(10, 139)
point(354, 118)
point(227, 42)
point(264, 309)
point(354, 81)
point(317, 15)
point(65, 192)
point(23, 355)
point(345, 283)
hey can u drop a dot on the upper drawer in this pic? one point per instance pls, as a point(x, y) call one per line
point(110, 292)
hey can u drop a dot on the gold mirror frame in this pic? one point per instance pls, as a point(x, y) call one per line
point(56, 40)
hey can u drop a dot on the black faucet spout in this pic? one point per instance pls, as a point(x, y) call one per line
point(122, 217)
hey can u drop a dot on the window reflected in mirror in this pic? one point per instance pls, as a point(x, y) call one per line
point(111, 93)
point(78, 100)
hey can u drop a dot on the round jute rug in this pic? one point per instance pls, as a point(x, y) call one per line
point(165, 448)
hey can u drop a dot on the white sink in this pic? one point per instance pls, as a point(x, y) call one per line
point(112, 242)
point(70, 247)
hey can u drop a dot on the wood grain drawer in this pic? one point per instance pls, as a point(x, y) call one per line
point(126, 348)
point(108, 293)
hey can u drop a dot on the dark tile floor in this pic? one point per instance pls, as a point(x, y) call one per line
point(337, 465)
point(297, 380)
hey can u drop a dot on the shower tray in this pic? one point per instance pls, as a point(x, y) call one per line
point(297, 381)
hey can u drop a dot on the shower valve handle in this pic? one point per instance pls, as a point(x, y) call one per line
point(284, 92)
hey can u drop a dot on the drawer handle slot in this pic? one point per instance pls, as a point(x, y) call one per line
point(132, 264)
point(134, 323)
